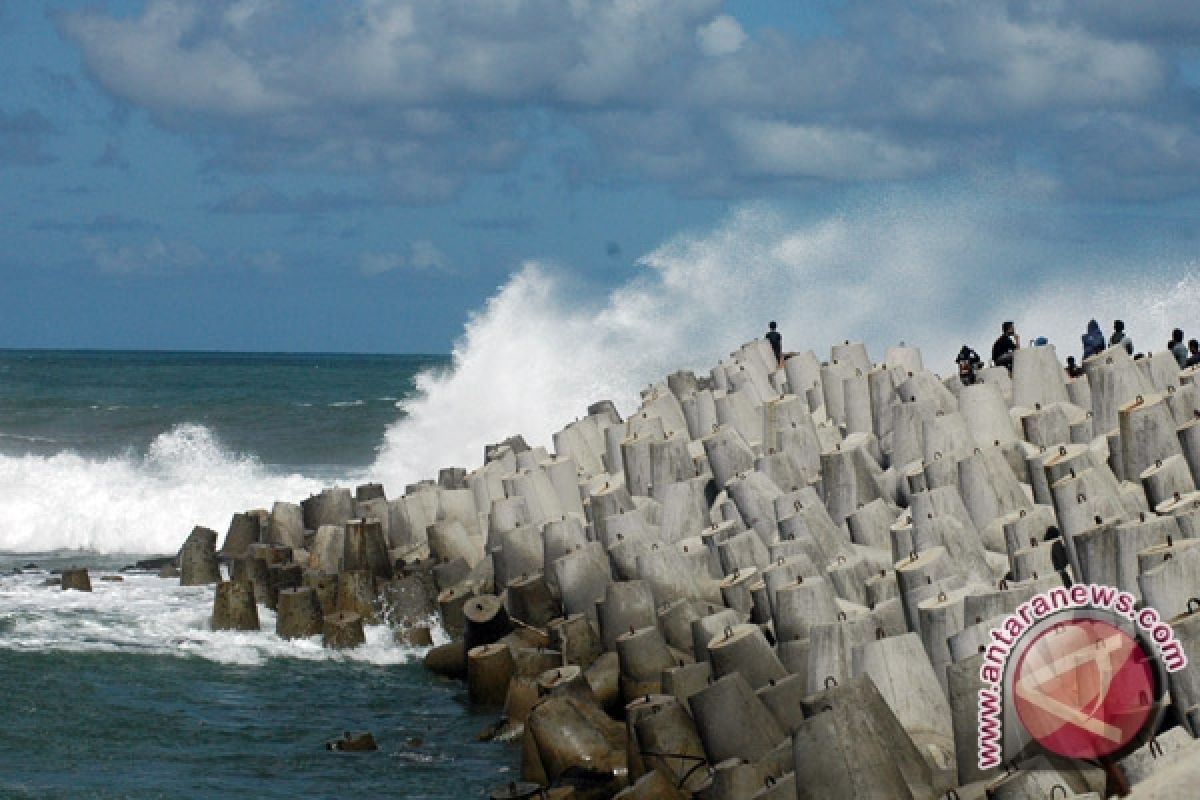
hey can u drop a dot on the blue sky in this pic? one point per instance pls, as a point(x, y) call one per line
point(360, 176)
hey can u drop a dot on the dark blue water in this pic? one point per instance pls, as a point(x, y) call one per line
point(289, 410)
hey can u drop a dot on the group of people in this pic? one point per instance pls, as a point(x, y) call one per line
point(1009, 341)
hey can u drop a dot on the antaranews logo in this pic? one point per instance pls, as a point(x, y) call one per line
point(1079, 671)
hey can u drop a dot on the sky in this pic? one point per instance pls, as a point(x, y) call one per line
point(362, 176)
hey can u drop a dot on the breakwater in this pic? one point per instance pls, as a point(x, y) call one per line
point(767, 582)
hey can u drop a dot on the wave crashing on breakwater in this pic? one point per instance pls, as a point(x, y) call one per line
point(544, 346)
point(133, 504)
point(932, 275)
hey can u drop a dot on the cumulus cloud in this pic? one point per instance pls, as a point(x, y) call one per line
point(152, 256)
point(426, 94)
point(422, 256)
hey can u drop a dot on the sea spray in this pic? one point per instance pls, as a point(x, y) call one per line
point(933, 274)
point(132, 504)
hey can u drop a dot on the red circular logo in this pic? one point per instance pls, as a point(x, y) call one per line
point(1084, 688)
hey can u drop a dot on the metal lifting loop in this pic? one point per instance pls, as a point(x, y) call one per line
point(830, 682)
point(1193, 605)
point(1055, 788)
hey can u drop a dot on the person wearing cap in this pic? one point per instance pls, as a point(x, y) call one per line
point(1120, 337)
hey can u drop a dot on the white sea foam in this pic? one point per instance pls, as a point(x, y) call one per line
point(931, 274)
point(147, 614)
point(134, 504)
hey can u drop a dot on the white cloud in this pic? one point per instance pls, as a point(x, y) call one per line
point(425, 255)
point(422, 256)
point(155, 255)
point(429, 93)
point(721, 37)
point(816, 151)
point(372, 264)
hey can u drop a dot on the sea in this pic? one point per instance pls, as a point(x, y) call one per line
point(109, 457)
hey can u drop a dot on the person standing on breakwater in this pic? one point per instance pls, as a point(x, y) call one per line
point(1120, 337)
point(1193, 353)
point(1093, 340)
point(1073, 369)
point(1178, 348)
point(1008, 341)
point(776, 339)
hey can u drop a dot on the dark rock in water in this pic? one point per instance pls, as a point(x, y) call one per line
point(31, 565)
point(52, 582)
point(156, 563)
point(353, 742)
point(18, 571)
point(112, 578)
point(76, 579)
point(168, 571)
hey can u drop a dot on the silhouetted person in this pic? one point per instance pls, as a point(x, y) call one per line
point(1193, 353)
point(968, 362)
point(1073, 369)
point(1178, 348)
point(776, 340)
point(1093, 340)
point(1004, 346)
point(1120, 337)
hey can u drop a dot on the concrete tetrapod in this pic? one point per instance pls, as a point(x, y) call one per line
point(852, 746)
point(342, 630)
point(744, 649)
point(900, 669)
point(490, 668)
point(198, 558)
point(733, 722)
point(299, 614)
point(643, 655)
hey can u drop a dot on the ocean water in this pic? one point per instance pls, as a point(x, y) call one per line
point(125, 692)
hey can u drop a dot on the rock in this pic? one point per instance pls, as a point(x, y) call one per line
point(353, 743)
point(77, 579)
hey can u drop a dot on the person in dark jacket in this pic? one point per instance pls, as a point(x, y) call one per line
point(1093, 340)
point(1193, 358)
point(776, 340)
point(1120, 337)
point(968, 363)
point(1178, 348)
point(1005, 345)
point(1073, 369)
